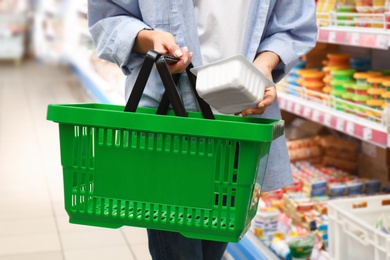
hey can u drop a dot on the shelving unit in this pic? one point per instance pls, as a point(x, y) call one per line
point(375, 34)
point(373, 130)
point(13, 29)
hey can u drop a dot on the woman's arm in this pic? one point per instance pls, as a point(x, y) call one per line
point(290, 33)
point(119, 31)
point(114, 28)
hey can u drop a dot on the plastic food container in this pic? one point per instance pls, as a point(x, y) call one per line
point(301, 247)
point(361, 90)
point(376, 93)
point(386, 97)
point(338, 59)
point(375, 82)
point(386, 84)
point(361, 63)
point(313, 85)
point(375, 104)
point(342, 74)
point(313, 75)
point(361, 77)
point(231, 85)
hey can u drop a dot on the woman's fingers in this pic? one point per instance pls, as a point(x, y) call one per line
point(182, 64)
point(269, 98)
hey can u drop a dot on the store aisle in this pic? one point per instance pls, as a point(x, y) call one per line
point(33, 222)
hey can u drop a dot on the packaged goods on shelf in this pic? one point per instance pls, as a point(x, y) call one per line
point(337, 59)
point(265, 223)
point(303, 149)
point(301, 247)
point(326, 150)
point(375, 6)
point(280, 246)
point(293, 75)
point(330, 141)
point(361, 63)
point(324, 7)
point(308, 215)
point(13, 29)
point(339, 163)
point(300, 209)
point(343, 18)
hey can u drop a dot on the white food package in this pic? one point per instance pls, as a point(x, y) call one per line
point(231, 85)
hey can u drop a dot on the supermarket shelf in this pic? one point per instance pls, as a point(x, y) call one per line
point(99, 88)
point(359, 128)
point(355, 29)
point(361, 37)
point(250, 248)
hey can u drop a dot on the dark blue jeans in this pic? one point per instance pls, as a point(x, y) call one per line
point(165, 245)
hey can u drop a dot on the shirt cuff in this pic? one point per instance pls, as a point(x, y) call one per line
point(288, 57)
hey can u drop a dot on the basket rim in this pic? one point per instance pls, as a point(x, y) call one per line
point(113, 116)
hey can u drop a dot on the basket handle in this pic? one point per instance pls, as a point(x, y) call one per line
point(169, 81)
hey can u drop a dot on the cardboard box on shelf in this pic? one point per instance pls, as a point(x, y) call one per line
point(369, 167)
point(380, 154)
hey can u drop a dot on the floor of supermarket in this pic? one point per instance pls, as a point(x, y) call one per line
point(33, 221)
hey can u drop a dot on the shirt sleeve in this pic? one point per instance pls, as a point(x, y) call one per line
point(291, 32)
point(114, 29)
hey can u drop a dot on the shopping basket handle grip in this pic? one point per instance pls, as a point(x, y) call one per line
point(170, 87)
point(204, 107)
point(171, 94)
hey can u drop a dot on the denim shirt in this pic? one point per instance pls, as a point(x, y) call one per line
point(286, 27)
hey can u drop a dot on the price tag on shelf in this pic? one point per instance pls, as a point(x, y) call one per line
point(332, 37)
point(388, 140)
point(315, 116)
point(382, 41)
point(297, 109)
point(340, 124)
point(328, 120)
point(367, 134)
point(282, 103)
point(368, 40)
point(355, 37)
point(289, 106)
point(350, 128)
point(307, 112)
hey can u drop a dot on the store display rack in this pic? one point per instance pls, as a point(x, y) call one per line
point(250, 248)
point(355, 29)
point(13, 29)
point(98, 87)
point(345, 29)
point(371, 130)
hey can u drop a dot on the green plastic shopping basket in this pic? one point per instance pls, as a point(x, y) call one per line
point(185, 173)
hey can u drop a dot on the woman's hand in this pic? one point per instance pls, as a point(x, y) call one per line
point(165, 43)
point(265, 62)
